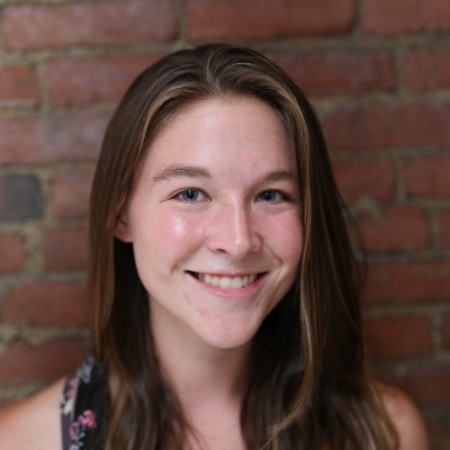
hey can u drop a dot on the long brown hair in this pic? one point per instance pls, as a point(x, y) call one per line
point(309, 384)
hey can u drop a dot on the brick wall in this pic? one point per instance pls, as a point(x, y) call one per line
point(378, 72)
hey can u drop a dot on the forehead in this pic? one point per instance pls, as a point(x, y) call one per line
point(222, 130)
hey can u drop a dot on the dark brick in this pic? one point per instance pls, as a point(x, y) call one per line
point(20, 197)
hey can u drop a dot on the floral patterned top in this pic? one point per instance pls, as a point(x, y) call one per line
point(82, 408)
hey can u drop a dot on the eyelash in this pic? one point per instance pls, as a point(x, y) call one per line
point(181, 196)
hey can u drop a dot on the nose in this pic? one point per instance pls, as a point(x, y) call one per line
point(233, 232)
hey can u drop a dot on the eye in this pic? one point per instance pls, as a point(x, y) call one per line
point(190, 195)
point(272, 196)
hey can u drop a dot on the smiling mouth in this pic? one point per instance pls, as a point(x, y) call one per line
point(226, 282)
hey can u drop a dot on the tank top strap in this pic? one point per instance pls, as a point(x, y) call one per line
point(83, 407)
point(67, 409)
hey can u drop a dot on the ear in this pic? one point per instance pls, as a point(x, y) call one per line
point(121, 230)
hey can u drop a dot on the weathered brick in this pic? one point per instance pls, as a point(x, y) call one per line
point(65, 249)
point(444, 229)
point(21, 140)
point(428, 69)
point(13, 253)
point(420, 124)
point(214, 20)
point(70, 193)
point(405, 16)
point(391, 337)
point(102, 23)
point(412, 282)
point(366, 178)
point(396, 229)
point(82, 70)
point(69, 137)
point(18, 86)
point(75, 137)
point(427, 176)
point(84, 81)
point(51, 303)
point(21, 363)
point(20, 197)
point(334, 72)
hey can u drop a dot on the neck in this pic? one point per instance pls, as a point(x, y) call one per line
point(200, 374)
point(210, 385)
point(199, 371)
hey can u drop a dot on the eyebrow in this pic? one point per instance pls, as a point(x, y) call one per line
point(280, 175)
point(182, 171)
point(199, 172)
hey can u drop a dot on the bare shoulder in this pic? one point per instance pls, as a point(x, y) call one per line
point(34, 422)
point(406, 418)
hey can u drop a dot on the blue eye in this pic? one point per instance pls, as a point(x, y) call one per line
point(271, 197)
point(190, 195)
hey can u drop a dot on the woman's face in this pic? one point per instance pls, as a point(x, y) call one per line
point(214, 221)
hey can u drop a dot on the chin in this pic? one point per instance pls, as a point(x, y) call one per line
point(228, 340)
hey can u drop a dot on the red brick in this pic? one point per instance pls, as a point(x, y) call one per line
point(210, 20)
point(428, 176)
point(12, 249)
point(428, 69)
point(385, 17)
point(18, 86)
point(21, 140)
point(41, 303)
point(446, 331)
point(21, 363)
point(90, 24)
point(84, 81)
point(65, 249)
point(334, 72)
point(70, 193)
point(383, 125)
point(391, 337)
point(397, 229)
point(411, 282)
point(444, 229)
point(428, 384)
point(368, 178)
point(74, 137)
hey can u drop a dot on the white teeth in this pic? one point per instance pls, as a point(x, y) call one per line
point(227, 282)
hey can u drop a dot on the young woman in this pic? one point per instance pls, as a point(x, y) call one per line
point(222, 280)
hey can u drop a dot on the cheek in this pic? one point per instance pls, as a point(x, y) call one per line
point(174, 233)
point(286, 238)
point(174, 226)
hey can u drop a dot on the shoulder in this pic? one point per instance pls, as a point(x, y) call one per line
point(405, 417)
point(33, 423)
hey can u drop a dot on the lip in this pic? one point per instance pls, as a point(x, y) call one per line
point(230, 292)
